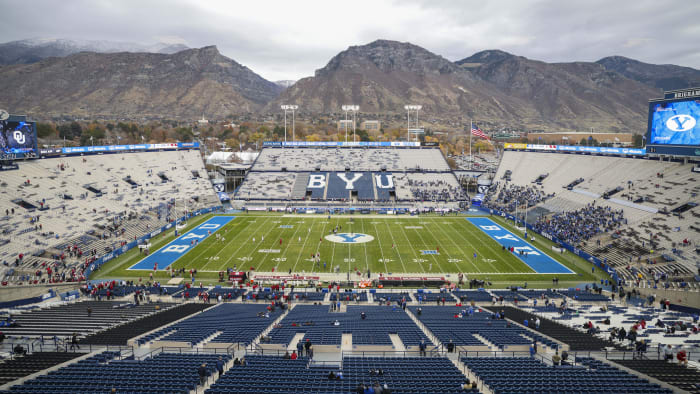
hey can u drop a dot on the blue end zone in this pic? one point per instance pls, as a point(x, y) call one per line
point(181, 245)
point(535, 259)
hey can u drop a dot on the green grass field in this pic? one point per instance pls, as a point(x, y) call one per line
point(252, 240)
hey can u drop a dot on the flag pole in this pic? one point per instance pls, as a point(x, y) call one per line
point(471, 127)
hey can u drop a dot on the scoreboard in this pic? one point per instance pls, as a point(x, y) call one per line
point(674, 124)
point(17, 138)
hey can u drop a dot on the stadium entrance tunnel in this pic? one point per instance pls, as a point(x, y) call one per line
point(131, 182)
point(684, 207)
point(24, 204)
point(98, 192)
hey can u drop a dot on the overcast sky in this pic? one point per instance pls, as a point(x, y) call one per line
point(291, 39)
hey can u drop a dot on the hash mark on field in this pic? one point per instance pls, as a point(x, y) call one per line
point(286, 248)
point(364, 244)
point(302, 247)
point(457, 245)
point(245, 243)
point(410, 246)
point(466, 255)
point(435, 259)
point(213, 242)
point(381, 250)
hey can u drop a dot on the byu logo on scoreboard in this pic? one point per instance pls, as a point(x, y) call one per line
point(18, 136)
point(219, 187)
point(349, 238)
point(681, 123)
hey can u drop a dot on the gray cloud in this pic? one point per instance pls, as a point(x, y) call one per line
point(287, 40)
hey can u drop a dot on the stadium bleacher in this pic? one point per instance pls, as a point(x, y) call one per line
point(649, 193)
point(529, 375)
point(164, 372)
point(64, 320)
point(66, 214)
point(21, 366)
point(317, 324)
point(447, 325)
point(351, 176)
point(231, 323)
point(399, 374)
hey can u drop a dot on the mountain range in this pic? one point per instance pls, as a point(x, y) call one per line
point(182, 85)
point(34, 50)
point(493, 87)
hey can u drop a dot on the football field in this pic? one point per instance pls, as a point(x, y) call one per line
point(350, 243)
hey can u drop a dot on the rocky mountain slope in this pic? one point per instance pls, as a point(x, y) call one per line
point(186, 84)
point(661, 76)
point(383, 76)
point(577, 95)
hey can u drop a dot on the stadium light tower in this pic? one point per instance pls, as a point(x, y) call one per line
point(409, 108)
point(288, 107)
point(354, 109)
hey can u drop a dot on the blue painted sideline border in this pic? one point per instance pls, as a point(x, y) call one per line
point(181, 245)
point(536, 259)
point(578, 252)
point(117, 252)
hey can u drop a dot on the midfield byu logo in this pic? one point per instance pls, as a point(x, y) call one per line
point(18, 136)
point(349, 238)
point(681, 123)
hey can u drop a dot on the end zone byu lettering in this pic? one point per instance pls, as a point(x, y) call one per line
point(349, 183)
point(316, 181)
point(176, 248)
point(389, 181)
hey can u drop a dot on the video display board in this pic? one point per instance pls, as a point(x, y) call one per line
point(674, 122)
point(17, 137)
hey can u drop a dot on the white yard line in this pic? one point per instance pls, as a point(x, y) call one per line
point(242, 244)
point(466, 255)
point(408, 245)
point(308, 233)
point(228, 243)
point(435, 259)
point(381, 249)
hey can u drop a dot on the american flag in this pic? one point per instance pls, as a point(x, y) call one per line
point(477, 132)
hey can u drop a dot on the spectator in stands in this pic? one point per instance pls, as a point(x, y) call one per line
point(294, 355)
point(682, 358)
point(450, 347)
point(300, 347)
point(556, 359)
point(422, 346)
point(19, 350)
point(220, 366)
point(202, 371)
point(307, 346)
point(668, 352)
point(74, 341)
point(286, 355)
